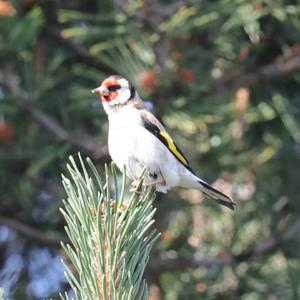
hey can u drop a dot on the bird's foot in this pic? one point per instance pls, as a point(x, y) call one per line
point(160, 187)
point(133, 189)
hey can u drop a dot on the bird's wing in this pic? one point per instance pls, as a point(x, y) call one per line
point(157, 129)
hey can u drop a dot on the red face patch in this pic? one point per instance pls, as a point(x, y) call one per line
point(112, 85)
point(110, 97)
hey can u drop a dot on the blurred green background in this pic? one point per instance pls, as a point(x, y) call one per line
point(224, 78)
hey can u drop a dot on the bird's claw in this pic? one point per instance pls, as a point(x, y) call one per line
point(133, 189)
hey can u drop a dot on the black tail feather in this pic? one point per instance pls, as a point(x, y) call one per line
point(216, 195)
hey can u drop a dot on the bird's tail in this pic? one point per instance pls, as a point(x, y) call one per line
point(216, 195)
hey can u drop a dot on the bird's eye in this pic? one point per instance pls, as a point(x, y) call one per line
point(113, 88)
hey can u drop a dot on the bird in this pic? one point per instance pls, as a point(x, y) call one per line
point(138, 140)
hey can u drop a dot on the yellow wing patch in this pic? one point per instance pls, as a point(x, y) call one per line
point(173, 148)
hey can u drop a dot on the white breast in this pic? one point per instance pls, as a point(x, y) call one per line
point(121, 137)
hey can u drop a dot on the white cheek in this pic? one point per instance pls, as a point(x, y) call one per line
point(122, 98)
point(124, 95)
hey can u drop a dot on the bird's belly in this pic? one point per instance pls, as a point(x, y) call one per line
point(122, 149)
point(136, 148)
point(119, 145)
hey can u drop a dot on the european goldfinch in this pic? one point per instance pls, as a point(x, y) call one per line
point(136, 139)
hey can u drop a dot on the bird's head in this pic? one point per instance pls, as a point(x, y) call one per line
point(115, 91)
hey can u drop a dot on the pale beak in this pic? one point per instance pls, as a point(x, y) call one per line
point(102, 90)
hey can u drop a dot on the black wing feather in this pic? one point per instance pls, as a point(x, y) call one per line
point(157, 132)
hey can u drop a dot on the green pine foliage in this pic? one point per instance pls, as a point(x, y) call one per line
point(223, 76)
point(110, 235)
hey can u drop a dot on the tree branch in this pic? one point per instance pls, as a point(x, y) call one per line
point(269, 244)
point(50, 238)
point(277, 68)
point(81, 51)
point(84, 143)
point(156, 266)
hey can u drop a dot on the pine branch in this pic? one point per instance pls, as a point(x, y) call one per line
point(85, 143)
point(110, 239)
point(81, 51)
